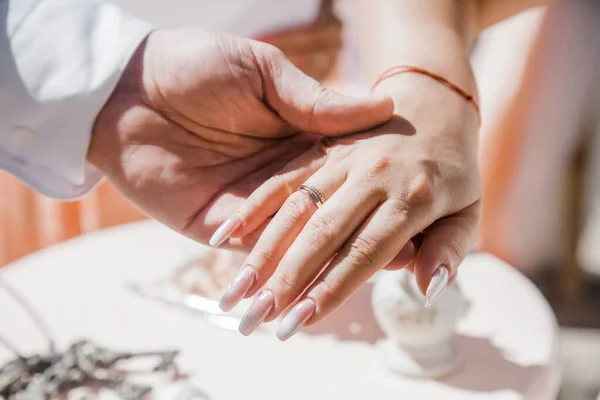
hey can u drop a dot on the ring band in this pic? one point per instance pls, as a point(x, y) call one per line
point(313, 193)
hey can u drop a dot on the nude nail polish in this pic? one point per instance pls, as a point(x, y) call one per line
point(257, 312)
point(239, 286)
point(437, 285)
point(225, 231)
point(295, 319)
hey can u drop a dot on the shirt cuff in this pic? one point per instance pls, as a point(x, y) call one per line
point(60, 64)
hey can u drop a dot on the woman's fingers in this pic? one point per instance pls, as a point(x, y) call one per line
point(325, 232)
point(229, 184)
point(404, 259)
point(407, 256)
point(373, 246)
point(445, 245)
point(277, 237)
point(268, 198)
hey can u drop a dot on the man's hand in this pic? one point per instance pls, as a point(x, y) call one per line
point(197, 112)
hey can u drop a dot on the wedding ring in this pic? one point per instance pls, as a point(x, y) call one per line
point(313, 193)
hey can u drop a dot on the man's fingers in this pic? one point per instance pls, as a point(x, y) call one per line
point(304, 103)
point(445, 245)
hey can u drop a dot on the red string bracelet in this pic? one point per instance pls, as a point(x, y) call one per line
point(400, 69)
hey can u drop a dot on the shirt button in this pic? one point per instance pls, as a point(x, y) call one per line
point(22, 136)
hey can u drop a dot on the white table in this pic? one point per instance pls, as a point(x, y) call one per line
point(508, 339)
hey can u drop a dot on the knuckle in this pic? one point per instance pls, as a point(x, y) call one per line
point(260, 257)
point(286, 286)
point(364, 251)
point(337, 151)
point(457, 250)
point(283, 180)
point(380, 165)
point(328, 293)
point(267, 52)
point(286, 282)
point(320, 98)
point(420, 190)
point(274, 52)
point(323, 226)
point(296, 206)
point(269, 59)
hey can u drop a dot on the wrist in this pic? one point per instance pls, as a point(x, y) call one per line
point(107, 142)
point(408, 69)
point(416, 93)
point(440, 116)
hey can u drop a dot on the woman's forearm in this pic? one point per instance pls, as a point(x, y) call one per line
point(432, 34)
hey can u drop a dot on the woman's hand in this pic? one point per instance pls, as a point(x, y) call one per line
point(382, 188)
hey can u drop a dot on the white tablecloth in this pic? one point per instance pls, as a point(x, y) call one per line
point(507, 340)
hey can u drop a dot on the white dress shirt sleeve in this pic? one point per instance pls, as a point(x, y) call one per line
point(59, 62)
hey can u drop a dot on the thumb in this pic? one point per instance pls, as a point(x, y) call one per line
point(304, 103)
point(445, 245)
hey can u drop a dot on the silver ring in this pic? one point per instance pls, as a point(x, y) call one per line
point(313, 193)
point(314, 189)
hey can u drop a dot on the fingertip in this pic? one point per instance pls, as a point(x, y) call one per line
point(381, 109)
point(342, 114)
point(378, 108)
point(225, 230)
point(385, 104)
point(423, 274)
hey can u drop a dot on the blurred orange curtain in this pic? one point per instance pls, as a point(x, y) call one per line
point(29, 221)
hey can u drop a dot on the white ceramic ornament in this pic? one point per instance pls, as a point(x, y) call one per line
point(418, 340)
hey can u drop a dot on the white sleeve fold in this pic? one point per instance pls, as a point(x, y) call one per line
point(59, 62)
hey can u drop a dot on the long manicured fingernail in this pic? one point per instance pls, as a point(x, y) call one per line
point(225, 231)
point(295, 319)
point(257, 312)
point(237, 289)
point(439, 283)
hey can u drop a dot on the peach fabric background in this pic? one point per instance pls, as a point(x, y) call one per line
point(29, 221)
